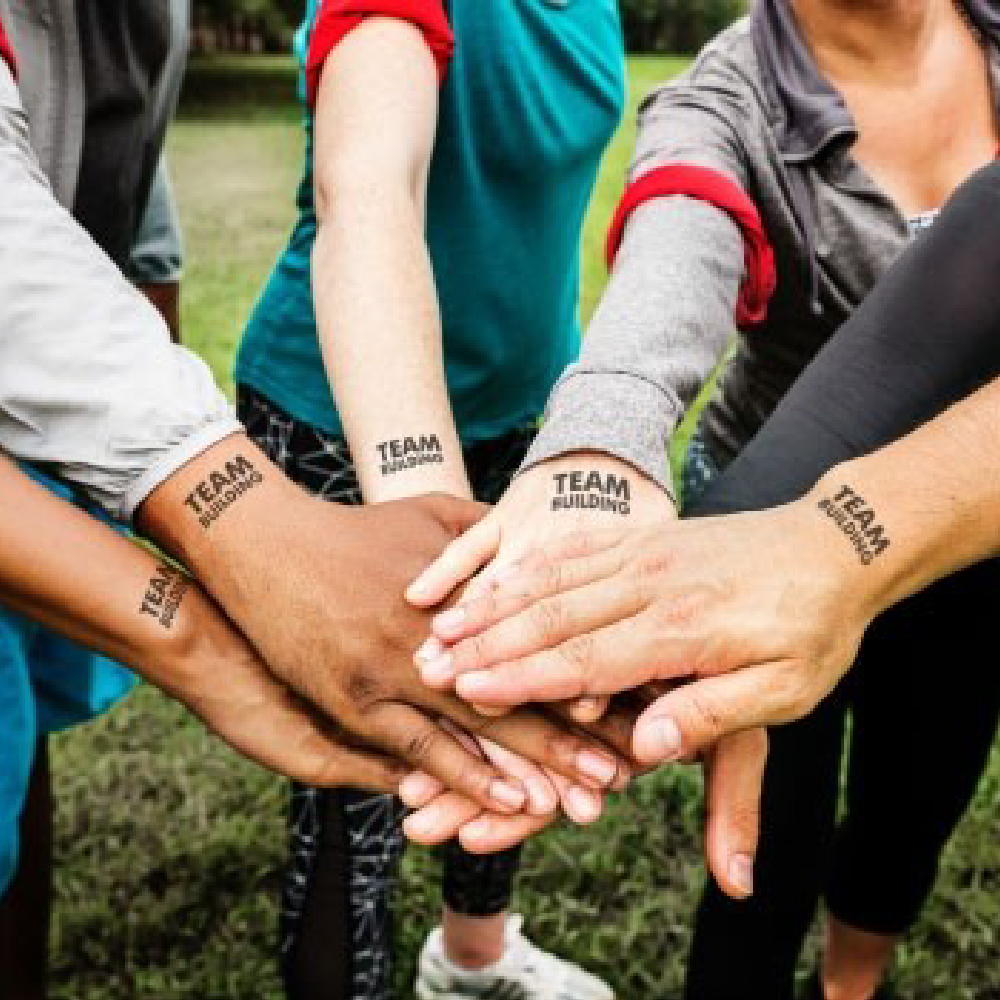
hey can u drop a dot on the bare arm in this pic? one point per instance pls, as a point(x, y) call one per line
point(376, 304)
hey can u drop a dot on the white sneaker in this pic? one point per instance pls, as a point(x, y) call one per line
point(525, 972)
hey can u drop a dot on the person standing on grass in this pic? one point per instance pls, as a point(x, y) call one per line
point(777, 180)
point(93, 391)
point(406, 341)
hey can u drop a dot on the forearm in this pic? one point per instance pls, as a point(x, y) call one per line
point(377, 311)
point(376, 302)
point(923, 507)
point(661, 326)
point(117, 598)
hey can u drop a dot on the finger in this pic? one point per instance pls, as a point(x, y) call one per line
point(580, 758)
point(734, 780)
point(441, 819)
point(582, 805)
point(521, 585)
point(585, 710)
point(460, 559)
point(542, 625)
point(456, 514)
point(283, 734)
point(605, 661)
point(583, 757)
point(417, 789)
point(426, 746)
point(490, 833)
point(693, 717)
point(542, 795)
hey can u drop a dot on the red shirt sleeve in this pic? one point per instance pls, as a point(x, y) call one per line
point(6, 52)
point(338, 17)
point(718, 190)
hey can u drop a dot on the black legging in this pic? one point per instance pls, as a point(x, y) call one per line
point(927, 336)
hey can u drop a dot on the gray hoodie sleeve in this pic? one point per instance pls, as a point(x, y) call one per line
point(90, 386)
point(660, 328)
point(667, 312)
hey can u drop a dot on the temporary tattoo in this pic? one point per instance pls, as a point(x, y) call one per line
point(409, 453)
point(164, 594)
point(222, 489)
point(591, 491)
point(857, 521)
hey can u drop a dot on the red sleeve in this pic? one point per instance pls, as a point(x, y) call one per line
point(338, 17)
point(718, 190)
point(6, 52)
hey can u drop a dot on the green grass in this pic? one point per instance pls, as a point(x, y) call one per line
point(169, 847)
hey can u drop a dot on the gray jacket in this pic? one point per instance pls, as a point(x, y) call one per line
point(90, 386)
point(755, 109)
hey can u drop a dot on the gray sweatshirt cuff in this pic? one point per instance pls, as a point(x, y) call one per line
point(617, 413)
point(175, 458)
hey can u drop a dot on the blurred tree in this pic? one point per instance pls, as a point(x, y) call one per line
point(679, 26)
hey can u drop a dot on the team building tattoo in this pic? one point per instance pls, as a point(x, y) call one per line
point(591, 491)
point(857, 521)
point(405, 453)
point(164, 594)
point(223, 487)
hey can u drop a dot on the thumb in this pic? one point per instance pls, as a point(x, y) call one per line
point(734, 779)
point(457, 562)
point(693, 717)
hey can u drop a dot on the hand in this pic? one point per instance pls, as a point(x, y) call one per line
point(534, 512)
point(733, 779)
point(317, 589)
point(210, 668)
point(773, 600)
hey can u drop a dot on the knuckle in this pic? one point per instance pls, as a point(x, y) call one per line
point(578, 654)
point(362, 688)
point(547, 618)
point(420, 744)
point(706, 714)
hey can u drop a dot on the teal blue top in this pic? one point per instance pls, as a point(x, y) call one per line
point(534, 91)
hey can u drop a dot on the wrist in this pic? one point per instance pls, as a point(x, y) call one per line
point(226, 516)
point(856, 535)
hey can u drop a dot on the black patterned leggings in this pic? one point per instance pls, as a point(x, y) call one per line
point(336, 927)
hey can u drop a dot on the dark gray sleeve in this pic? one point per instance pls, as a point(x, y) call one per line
point(90, 385)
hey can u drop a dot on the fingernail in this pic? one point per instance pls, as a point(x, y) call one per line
point(416, 590)
point(437, 671)
point(507, 795)
point(542, 796)
point(741, 873)
point(415, 789)
point(595, 766)
point(430, 650)
point(661, 740)
point(451, 620)
point(583, 806)
point(417, 825)
point(477, 828)
point(472, 686)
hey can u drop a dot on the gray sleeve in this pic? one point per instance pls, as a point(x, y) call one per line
point(660, 328)
point(667, 312)
point(157, 255)
point(90, 385)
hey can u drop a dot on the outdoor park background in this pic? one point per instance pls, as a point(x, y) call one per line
point(169, 847)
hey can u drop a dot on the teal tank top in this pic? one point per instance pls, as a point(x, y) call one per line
point(533, 93)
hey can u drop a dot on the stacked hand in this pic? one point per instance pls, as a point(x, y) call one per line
point(318, 594)
point(520, 549)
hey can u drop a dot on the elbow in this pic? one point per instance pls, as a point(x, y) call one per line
point(366, 179)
